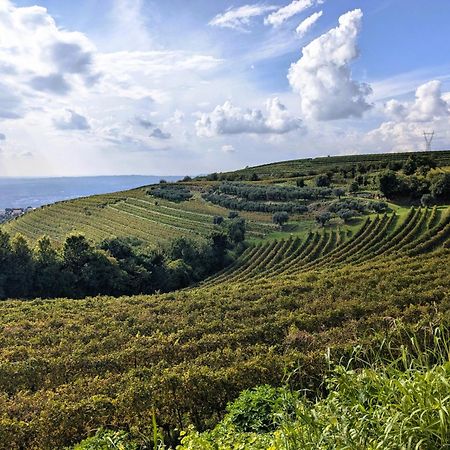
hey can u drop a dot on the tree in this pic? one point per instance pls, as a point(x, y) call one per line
point(323, 218)
point(388, 183)
point(339, 192)
point(233, 214)
point(5, 262)
point(354, 187)
point(236, 230)
point(21, 270)
point(300, 182)
point(409, 166)
point(440, 186)
point(322, 181)
point(48, 279)
point(217, 220)
point(280, 218)
point(426, 200)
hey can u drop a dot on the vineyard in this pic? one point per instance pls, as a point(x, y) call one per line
point(152, 365)
point(132, 214)
point(319, 165)
point(420, 231)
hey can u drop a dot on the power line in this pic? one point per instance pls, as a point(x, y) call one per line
point(428, 139)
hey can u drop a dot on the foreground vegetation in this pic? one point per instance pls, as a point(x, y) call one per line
point(70, 367)
point(396, 401)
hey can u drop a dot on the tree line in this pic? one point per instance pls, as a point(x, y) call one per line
point(114, 267)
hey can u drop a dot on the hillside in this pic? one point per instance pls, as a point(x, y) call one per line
point(152, 220)
point(349, 268)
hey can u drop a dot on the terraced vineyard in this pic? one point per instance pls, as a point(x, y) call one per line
point(422, 230)
point(131, 213)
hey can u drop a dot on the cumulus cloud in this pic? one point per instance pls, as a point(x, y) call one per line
point(40, 53)
point(408, 120)
point(286, 12)
point(239, 18)
point(322, 76)
point(308, 23)
point(230, 119)
point(157, 133)
point(430, 103)
point(71, 121)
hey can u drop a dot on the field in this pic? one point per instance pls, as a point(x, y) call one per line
point(153, 221)
point(130, 213)
point(297, 292)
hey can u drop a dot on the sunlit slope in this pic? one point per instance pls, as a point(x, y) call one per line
point(421, 231)
point(69, 367)
point(322, 164)
point(131, 213)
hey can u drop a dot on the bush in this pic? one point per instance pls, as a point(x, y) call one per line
point(108, 440)
point(171, 192)
point(322, 181)
point(257, 410)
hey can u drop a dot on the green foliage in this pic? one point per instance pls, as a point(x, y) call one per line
point(440, 186)
point(323, 218)
point(322, 181)
point(280, 218)
point(108, 440)
point(398, 402)
point(258, 410)
point(171, 192)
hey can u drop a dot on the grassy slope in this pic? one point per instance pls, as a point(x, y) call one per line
point(134, 213)
point(68, 367)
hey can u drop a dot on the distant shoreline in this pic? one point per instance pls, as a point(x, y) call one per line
point(23, 192)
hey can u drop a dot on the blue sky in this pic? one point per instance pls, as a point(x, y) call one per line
point(178, 87)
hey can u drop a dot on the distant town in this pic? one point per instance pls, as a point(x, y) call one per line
point(11, 213)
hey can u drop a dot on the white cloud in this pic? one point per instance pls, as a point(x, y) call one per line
point(408, 120)
point(230, 119)
point(429, 103)
point(286, 12)
point(322, 76)
point(39, 54)
point(239, 18)
point(308, 23)
point(71, 120)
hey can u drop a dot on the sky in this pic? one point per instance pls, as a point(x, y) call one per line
point(104, 87)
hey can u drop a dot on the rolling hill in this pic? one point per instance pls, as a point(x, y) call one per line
point(151, 220)
point(69, 367)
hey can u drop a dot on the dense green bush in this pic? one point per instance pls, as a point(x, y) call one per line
point(171, 192)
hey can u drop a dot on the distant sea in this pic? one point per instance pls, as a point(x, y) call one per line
point(34, 192)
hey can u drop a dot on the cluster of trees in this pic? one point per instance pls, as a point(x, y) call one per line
point(350, 207)
point(115, 267)
point(240, 204)
point(171, 192)
point(420, 164)
point(274, 193)
point(437, 186)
